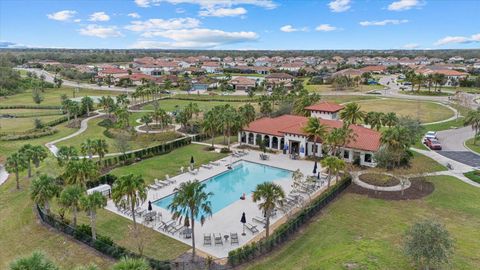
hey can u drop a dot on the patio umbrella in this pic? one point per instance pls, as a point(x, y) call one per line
point(191, 160)
point(149, 206)
point(315, 167)
point(318, 175)
point(186, 222)
point(243, 220)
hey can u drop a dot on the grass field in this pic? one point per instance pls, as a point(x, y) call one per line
point(28, 112)
point(419, 164)
point(170, 163)
point(175, 104)
point(426, 111)
point(329, 88)
point(473, 175)
point(23, 124)
point(346, 98)
point(52, 96)
point(368, 233)
point(474, 147)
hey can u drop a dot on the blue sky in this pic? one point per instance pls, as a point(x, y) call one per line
point(241, 24)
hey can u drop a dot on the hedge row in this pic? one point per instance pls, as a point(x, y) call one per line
point(103, 244)
point(33, 115)
point(46, 107)
point(249, 252)
point(28, 135)
point(207, 98)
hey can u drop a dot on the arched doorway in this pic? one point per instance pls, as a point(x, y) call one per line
point(266, 141)
point(274, 142)
point(250, 138)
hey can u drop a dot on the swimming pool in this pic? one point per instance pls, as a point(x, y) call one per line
point(228, 186)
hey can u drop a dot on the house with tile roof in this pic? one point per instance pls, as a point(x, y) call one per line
point(286, 133)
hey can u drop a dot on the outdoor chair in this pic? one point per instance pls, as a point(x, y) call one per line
point(167, 179)
point(251, 228)
point(206, 166)
point(164, 226)
point(234, 239)
point(218, 239)
point(174, 229)
point(192, 172)
point(214, 163)
point(207, 239)
point(259, 220)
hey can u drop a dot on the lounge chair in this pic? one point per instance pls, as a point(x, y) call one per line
point(164, 226)
point(173, 229)
point(182, 169)
point(207, 166)
point(259, 220)
point(218, 239)
point(251, 228)
point(207, 239)
point(234, 238)
point(167, 179)
point(214, 163)
point(192, 172)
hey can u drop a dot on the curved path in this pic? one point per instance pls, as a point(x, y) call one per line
point(3, 174)
point(399, 187)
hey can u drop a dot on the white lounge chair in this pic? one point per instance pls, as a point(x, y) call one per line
point(193, 172)
point(206, 166)
point(167, 179)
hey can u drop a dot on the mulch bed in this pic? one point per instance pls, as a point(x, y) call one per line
point(419, 189)
point(378, 179)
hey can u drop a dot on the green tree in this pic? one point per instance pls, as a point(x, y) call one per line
point(473, 119)
point(88, 147)
point(269, 196)
point(37, 96)
point(210, 124)
point(70, 199)
point(314, 128)
point(390, 119)
point(333, 165)
point(428, 244)
point(131, 264)
point(79, 172)
point(26, 151)
point(90, 203)
point(129, 191)
point(16, 163)
point(100, 147)
point(36, 261)
point(87, 104)
point(191, 201)
point(65, 154)
point(146, 119)
point(43, 189)
point(352, 113)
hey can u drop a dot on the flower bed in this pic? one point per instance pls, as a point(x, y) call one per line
point(381, 180)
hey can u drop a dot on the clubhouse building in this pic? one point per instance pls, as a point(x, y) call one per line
point(286, 133)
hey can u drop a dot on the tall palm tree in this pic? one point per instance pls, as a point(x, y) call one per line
point(88, 148)
point(15, 164)
point(269, 195)
point(43, 189)
point(65, 154)
point(229, 121)
point(70, 199)
point(339, 166)
point(87, 104)
point(390, 119)
point(191, 201)
point(352, 113)
point(79, 172)
point(375, 119)
point(398, 141)
point(100, 147)
point(210, 124)
point(473, 119)
point(38, 155)
point(129, 191)
point(90, 204)
point(131, 264)
point(27, 152)
point(146, 119)
point(248, 113)
point(36, 261)
point(331, 164)
point(316, 130)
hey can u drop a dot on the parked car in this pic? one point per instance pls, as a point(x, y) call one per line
point(434, 144)
point(430, 135)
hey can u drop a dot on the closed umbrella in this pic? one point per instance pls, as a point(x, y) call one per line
point(243, 220)
point(149, 206)
point(315, 168)
point(192, 161)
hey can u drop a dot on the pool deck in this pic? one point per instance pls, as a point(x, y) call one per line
point(227, 220)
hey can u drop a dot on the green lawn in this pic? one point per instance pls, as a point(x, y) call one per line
point(419, 164)
point(368, 232)
point(473, 175)
point(175, 104)
point(159, 166)
point(329, 88)
point(30, 112)
point(474, 147)
point(346, 98)
point(52, 96)
point(220, 140)
point(213, 97)
point(23, 124)
point(426, 111)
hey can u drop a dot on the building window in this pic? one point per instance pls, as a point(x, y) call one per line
point(346, 154)
point(368, 158)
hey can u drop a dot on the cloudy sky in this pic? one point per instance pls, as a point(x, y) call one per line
point(241, 24)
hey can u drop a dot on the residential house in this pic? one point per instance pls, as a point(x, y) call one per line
point(242, 83)
point(279, 78)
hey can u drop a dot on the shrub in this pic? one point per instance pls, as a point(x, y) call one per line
point(28, 135)
point(225, 150)
point(38, 123)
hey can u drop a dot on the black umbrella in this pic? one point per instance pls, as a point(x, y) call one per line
point(149, 206)
point(186, 222)
point(243, 220)
point(315, 168)
point(191, 160)
point(318, 175)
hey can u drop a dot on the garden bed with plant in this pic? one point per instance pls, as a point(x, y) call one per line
point(381, 180)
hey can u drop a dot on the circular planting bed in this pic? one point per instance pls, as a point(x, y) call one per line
point(381, 180)
point(418, 189)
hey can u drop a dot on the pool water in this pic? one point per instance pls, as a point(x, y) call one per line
point(228, 186)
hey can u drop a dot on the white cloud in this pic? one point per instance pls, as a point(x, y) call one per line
point(161, 24)
point(382, 23)
point(222, 12)
point(180, 10)
point(325, 28)
point(458, 39)
point(64, 15)
point(195, 38)
point(77, 20)
point(288, 29)
point(404, 5)
point(410, 46)
point(94, 30)
point(268, 4)
point(339, 5)
point(134, 15)
point(99, 17)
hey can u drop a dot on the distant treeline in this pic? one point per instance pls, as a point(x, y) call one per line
point(83, 56)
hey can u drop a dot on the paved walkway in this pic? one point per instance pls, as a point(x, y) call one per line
point(3, 174)
point(399, 187)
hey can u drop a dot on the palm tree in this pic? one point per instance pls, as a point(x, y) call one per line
point(397, 140)
point(88, 148)
point(90, 204)
point(229, 121)
point(27, 152)
point(131, 264)
point(146, 119)
point(79, 172)
point(66, 153)
point(339, 166)
point(473, 119)
point(270, 196)
point(38, 155)
point(100, 147)
point(43, 189)
point(210, 124)
point(36, 261)
point(15, 164)
point(374, 119)
point(129, 191)
point(191, 201)
point(70, 199)
point(330, 163)
point(247, 112)
point(390, 119)
point(352, 113)
point(315, 129)
point(87, 104)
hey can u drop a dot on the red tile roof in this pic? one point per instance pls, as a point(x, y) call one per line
point(365, 139)
point(325, 107)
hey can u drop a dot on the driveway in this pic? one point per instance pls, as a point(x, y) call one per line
point(465, 157)
point(453, 146)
